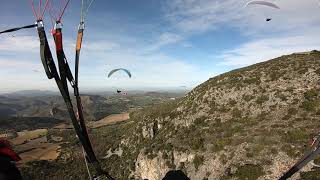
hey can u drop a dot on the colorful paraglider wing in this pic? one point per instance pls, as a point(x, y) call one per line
point(263, 3)
point(115, 70)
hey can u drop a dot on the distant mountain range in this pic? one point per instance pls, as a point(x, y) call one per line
point(50, 105)
point(30, 93)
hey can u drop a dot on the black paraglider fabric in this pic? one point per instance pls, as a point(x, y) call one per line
point(64, 69)
point(120, 69)
point(175, 175)
point(61, 80)
point(45, 55)
point(306, 158)
point(18, 28)
point(51, 70)
point(8, 170)
point(65, 73)
point(304, 161)
point(76, 86)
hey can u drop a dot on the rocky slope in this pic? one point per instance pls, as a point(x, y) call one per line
point(250, 123)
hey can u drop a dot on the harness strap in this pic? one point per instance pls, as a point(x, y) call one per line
point(18, 28)
point(306, 158)
point(45, 53)
point(96, 165)
point(61, 57)
point(48, 63)
point(61, 80)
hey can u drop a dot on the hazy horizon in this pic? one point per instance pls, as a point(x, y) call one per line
point(108, 90)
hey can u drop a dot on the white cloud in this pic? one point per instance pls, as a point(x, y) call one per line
point(265, 49)
point(293, 28)
point(165, 39)
point(197, 16)
point(21, 74)
point(10, 63)
point(100, 46)
point(152, 70)
point(19, 44)
point(201, 15)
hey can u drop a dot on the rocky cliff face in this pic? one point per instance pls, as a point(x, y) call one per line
point(250, 123)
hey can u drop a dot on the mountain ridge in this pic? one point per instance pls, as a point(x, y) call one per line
point(249, 123)
point(240, 118)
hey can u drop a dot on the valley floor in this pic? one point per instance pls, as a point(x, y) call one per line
point(34, 145)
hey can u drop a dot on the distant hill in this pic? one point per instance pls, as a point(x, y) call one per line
point(30, 93)
point(27, 123)
point(164, 94)
point(15, 108)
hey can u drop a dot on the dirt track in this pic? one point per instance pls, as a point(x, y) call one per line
point(37, 149)
point(112, 119)
point(25, 136)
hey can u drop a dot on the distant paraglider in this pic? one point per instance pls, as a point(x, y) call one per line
point(120, 92)
point(116, 70)
point(263, 3)
point(120, 69)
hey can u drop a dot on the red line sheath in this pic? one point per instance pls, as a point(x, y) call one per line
point(33, 10)
point(45, 8)
point(63, 10)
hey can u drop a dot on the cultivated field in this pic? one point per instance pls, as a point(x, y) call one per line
point(34, 145)
point(112, 119)
point(25, 136)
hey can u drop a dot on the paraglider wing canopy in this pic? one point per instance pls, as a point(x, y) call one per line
point(263, 3)
point(120, 69)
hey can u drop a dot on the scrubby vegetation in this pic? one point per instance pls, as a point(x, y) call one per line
point(238, 125)
point(30, 123)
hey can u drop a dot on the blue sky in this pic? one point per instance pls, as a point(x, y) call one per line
point(166, 44)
